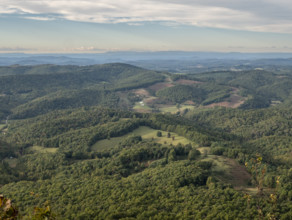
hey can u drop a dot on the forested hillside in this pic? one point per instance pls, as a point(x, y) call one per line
point(119, 142)
point(39, 89)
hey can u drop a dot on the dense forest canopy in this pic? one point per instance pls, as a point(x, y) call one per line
point(116, 141)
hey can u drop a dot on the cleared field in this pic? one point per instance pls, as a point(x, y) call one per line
point(174, 109)
point(2, 126)
point(12, 162)
point(141, 92)
point(234, 101)
point(229, 171)
point(39, 149)
point(186, 82)
point(149, 133)
point(141, 107)
point(146, 133)
point(107, 144)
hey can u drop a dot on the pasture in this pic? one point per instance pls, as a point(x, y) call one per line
point(147, 134)
point(229, 171)
point(12, 162)
point(39, 149)
point(2, 126)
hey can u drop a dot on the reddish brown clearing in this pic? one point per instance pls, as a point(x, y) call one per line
point(234, 101)
point(186, 82)
point(150, 100)
point(141, 110)
point(189, 102)
point(142, 92)
point(238, 173)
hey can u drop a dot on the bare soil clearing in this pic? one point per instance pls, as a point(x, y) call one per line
point(234, 101)
point(187, 82)
point(141, 92)
point(151, 102)
point(239, 174)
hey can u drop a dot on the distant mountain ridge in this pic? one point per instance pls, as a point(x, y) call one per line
point(128, 57)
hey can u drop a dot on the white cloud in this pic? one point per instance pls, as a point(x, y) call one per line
point(39, 18)
point(263, 16)
point(87, 49)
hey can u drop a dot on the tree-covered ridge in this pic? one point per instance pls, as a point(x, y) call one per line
point(65, 100)
point(40, 69)
point(40, 89)
point(262, 87)
point(181, 93)
point(80, 77)
point(266, 130)
point(32, 90)
point(60, 122)
point(204, 94)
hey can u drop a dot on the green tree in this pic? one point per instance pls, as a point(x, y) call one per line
point(193, 154)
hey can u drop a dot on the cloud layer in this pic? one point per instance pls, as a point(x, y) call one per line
point(262, 15)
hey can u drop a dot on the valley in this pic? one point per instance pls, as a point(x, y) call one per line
point(151, 103)
point(140, 144)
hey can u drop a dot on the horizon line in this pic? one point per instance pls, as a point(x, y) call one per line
point(137, 51)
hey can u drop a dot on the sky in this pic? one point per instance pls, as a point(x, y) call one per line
point(95, 26)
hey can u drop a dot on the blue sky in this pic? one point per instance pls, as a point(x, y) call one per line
point(75, 26)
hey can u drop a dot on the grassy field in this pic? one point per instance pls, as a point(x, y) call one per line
point(174, 109)
point(171, 109)
point(39, 149)
point(107, 144)
point(2, 126)
point(141, 107)
point(229, 171)
point(147, 134)
point(11, 162)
